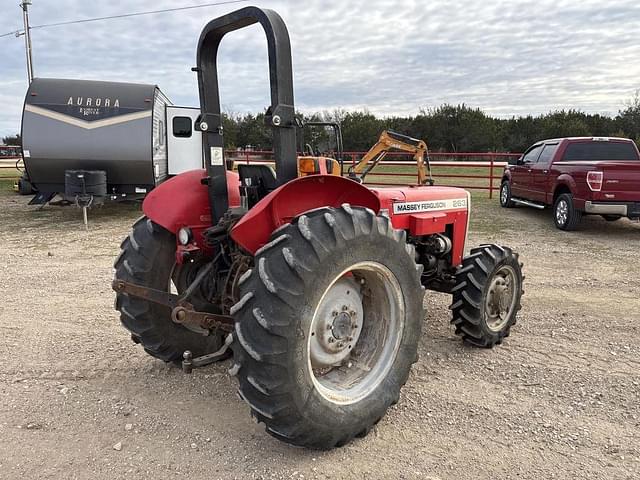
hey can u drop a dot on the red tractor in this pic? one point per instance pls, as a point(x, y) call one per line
point(313, 281)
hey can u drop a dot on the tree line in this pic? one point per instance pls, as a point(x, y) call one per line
point(448, 128)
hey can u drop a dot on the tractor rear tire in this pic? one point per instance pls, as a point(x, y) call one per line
point(327, 326)
point(490, 274)
point(147, 259)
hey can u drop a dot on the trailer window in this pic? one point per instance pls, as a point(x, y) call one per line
point(182, 127)
point(619, 151)
point(160, 133)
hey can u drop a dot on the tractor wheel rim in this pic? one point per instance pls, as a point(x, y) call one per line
point(355, 333)
point(501, 298)
point(504, 194)
point(562, 212)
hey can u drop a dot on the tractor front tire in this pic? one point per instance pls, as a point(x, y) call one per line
point(327, 326)
point(147, 259)
point(486, 297)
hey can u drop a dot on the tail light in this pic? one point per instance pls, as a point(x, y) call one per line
point(594, 180)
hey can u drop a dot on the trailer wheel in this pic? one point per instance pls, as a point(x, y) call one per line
point(327, 326)
point(486, 297)
point(147, 258)
point(24, 186)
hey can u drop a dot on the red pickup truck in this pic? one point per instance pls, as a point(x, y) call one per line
point(576, 176)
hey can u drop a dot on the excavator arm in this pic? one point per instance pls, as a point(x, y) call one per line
point(394, 141)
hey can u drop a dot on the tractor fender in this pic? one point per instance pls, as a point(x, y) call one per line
point(184, 201)
point(295, 198)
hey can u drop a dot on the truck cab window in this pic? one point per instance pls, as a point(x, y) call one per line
point(600, 151)
point(532, 155)
point(182, 127)
point(547, 154)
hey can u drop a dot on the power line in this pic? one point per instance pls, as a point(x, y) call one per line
point(15, 32)
point(124, 15)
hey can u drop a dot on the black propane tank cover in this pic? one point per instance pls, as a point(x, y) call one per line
point(85, 183)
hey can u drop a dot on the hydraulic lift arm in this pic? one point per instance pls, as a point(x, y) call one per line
point(394, 141)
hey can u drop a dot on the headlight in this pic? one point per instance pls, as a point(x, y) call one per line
point(185, 236)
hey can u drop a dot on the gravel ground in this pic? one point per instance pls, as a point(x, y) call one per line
point(560, 399)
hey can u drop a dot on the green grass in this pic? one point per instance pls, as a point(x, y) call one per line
point(7, 177)
point(9, 173)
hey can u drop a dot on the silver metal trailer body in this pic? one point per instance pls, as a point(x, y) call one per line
point(119, 128)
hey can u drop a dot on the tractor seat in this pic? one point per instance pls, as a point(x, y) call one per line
point(256, 182)
point(261, 176)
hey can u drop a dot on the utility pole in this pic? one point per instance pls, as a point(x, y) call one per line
point(27, 37)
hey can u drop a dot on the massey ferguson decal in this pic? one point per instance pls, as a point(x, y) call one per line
point(429, 206)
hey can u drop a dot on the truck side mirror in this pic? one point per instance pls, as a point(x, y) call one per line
point(519, 161)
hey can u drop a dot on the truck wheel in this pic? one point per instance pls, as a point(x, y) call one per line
point(612, 218)
point(148, 258)
point(565, 215)
point(505, 195)
point(327, 326)
point(486, 297)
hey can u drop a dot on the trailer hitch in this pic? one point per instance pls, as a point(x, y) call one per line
point(182, 312)
point(189, 363)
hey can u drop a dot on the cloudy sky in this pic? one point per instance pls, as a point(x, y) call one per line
point(391, 57)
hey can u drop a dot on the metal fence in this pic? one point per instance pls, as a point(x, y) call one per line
point(10, 161)
point(469, 170)
point(11, 167)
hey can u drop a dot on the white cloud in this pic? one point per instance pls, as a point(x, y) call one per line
point(507, 57)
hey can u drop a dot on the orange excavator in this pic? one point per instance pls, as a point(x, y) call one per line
point(387, 142)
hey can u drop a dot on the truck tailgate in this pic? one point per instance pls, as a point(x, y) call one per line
point(621, 181)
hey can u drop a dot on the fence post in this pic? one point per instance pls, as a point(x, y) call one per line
point(246, 155)
point(491, 177)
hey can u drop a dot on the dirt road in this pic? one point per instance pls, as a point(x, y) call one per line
point(560, 399)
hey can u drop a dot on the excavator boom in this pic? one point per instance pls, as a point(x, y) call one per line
point(394, 141)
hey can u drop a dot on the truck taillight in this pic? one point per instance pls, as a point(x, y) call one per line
point(594, 180)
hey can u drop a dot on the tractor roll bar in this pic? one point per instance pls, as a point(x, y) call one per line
point(280, 115)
